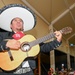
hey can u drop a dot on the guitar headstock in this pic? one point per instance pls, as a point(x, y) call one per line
point(66, 30)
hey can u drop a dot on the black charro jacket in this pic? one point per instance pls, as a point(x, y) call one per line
point(44, 47)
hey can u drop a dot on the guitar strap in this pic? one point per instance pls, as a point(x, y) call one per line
point(10, 55)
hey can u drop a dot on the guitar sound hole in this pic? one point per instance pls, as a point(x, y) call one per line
point(25, 47)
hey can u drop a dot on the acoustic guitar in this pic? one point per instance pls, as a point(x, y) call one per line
point(11, 59)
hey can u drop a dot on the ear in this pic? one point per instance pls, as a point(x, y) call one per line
point(10, 26)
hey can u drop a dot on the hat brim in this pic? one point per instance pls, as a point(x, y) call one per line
point(11, 11)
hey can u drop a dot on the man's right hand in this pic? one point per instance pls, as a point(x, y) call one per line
point(13, 44)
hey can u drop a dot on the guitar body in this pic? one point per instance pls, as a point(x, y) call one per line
point(18, 55)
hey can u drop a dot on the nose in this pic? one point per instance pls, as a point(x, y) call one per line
point(18, 20)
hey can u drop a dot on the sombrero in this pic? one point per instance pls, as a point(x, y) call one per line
point(7, 13)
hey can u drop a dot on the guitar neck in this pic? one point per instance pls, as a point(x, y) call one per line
point(65, 30)
point(40, 40)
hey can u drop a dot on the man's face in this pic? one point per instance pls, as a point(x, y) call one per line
point(17, 24)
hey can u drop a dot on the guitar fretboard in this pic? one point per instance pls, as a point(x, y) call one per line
point(40, 40)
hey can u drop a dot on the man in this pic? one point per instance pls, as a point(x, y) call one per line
point(17, 26)
point(27, 66)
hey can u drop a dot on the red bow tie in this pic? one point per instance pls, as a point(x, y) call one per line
point(18, 35)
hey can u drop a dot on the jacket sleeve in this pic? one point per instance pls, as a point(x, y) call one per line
point(47, 47)
point(2, 43)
